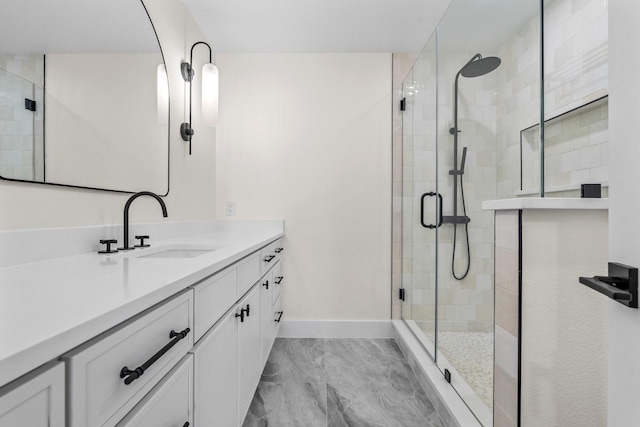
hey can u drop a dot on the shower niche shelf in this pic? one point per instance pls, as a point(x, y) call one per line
point(621, 285)
point(568, 138)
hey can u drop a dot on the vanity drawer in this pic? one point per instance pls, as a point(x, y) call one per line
point(170, 403)
point(248, 272)
point(278, 315)
point(213, 297)
point(278, 280)
point(34, 400)
point(98, 394)
point(270, 254)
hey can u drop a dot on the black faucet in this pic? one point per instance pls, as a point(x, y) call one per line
point(126, 215)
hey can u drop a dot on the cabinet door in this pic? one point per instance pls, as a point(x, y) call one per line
point(278, 314)
point(266, 327)
point(169, 404)
point(37, 400)
point(216, 367)
point(249, 352)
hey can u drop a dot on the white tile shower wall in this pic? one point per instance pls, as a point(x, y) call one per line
point(576, 72)
point(468, 304)
point(21, 131)
point(576, 151)
point(465, 305)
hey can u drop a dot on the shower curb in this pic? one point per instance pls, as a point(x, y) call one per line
point(449, 406)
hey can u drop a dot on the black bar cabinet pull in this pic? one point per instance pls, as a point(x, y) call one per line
point(431, 194)
point(278, 250)
point(130, 376)
point(268, 258)
point(241, 315)
point(279, 313)
point(278, 279)
point(266, 284)
point(246, 310)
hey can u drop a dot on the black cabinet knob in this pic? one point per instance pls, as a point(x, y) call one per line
point(142, 239)
point(108, 242)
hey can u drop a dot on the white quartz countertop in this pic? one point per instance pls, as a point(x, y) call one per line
point(47, 308)
point(545, 203)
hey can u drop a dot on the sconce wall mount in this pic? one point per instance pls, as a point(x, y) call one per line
point(209, 93)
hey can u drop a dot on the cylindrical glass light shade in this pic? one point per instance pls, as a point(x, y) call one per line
point(163, 95)
point(210, 94)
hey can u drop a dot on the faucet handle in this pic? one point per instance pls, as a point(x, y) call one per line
point(141, 239)
point(108, 242)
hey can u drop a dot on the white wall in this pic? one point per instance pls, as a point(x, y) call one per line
point(307, 138)
point(624, 205)
point(103, 143)
point(191, 194)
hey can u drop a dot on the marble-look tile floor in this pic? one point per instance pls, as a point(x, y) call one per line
point(338, 383)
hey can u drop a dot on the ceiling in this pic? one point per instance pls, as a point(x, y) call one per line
point(296, 26)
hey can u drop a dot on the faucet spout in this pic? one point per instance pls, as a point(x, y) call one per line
point(126, 246)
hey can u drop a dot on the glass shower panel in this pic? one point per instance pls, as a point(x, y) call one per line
point(407, 201)
point(420, 199)
point(488, 81)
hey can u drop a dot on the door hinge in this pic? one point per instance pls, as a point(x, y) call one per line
point(447, 375)
point(403, 104)
point(29, 104)
point(401, 295)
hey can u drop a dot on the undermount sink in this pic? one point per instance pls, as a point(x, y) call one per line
point(176, 252)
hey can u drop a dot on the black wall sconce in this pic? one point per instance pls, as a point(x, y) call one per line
point(209, 93)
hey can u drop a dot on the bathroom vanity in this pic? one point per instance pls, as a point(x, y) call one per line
point(174, 334)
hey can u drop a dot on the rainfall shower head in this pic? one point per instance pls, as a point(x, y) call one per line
point(479, 66)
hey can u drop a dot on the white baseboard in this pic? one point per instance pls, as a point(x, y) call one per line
point(336, 329)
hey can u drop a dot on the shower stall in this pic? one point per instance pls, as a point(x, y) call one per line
point(493, 107)
point(451, 162)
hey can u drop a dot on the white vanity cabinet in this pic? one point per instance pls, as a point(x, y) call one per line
point(227, 365)
point(35, 400)
point(230, 357)
point(266, 314)
point(193, 359)
point(99, 393)
point(249, 368)
point(216, 368)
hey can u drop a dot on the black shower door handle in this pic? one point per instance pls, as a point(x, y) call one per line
point(431, 194)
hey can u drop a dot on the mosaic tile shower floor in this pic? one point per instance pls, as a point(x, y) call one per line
point(471, 353)
point(338, 383)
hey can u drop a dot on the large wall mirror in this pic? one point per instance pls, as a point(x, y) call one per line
point(83, 95)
